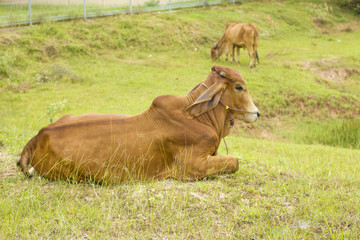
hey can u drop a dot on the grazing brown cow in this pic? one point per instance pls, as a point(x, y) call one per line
point(237, 35)
point(177, 136)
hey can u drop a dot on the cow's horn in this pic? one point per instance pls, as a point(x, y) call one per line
point(222, 74)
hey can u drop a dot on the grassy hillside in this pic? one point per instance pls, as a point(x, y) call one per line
point(309, 64)
point(307, 87)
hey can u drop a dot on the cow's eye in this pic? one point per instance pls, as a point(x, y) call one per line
point(240, 88)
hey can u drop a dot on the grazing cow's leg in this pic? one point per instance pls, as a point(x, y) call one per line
point(252, 56)
point(212, 165)
point(238, 53)
point(232, 53)
point(253, 59)
point(227, 55)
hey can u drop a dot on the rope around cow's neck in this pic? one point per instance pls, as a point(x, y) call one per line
point(231, 119)
point(231, 124)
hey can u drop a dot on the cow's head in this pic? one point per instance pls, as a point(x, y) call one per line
point(226, 86)
point(215, 51)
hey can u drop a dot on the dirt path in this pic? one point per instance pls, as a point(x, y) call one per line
point(7, 165)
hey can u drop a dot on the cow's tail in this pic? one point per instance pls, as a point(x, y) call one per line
point(26, 156)
point(256, 39)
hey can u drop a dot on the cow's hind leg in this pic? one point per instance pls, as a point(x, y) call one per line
point(252, 55)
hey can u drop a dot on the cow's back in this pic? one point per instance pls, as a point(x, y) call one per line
point(241, 34)
point(96, 146)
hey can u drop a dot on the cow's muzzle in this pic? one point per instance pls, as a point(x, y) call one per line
point(251, 117)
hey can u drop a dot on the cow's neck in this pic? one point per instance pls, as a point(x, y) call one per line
point(217, 117)
point(222, 44)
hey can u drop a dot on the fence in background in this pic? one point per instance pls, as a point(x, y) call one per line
point(27, 12)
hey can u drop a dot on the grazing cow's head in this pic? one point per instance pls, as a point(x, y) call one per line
point(215, 51)
point(226, 87)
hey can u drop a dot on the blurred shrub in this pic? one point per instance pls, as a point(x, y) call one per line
point(353, 5)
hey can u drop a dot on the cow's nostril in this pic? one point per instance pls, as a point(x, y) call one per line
point(258, 114)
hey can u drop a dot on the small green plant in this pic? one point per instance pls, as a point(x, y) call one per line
point(54, 109)
point(322, 11)
point(353, 5)
point(5, 61)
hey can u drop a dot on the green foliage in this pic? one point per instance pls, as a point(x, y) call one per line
point(54, 109)
point(4, 66)
point(345, 134)
point(152, 3)
point(353, 5)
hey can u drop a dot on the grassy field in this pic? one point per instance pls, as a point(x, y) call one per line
point(299, 164)
point(16, 14)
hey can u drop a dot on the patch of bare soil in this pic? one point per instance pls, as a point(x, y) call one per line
point(330, 70)
point(51, 50)
point(263, 130)
point(8, 37)
point(23, 87)
point(7, 166)
point(310, 106)
point(335, 75)
point(328, 27)
point(319, 22)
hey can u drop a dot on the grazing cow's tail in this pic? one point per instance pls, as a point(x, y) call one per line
point(256, 39)
point(26, 157)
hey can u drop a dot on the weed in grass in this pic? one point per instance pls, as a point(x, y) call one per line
point(54, 109)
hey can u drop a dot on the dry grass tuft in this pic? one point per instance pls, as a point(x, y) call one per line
point(319, 22)
point(331, 70)
point(51, 50)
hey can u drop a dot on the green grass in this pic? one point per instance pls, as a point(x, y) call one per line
point(345, 134)
point(279, 190)
point(307, 87)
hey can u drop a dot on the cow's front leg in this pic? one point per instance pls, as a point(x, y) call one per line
point(223, 164)
point(211, 165)
point(232, 53)
point(238, 53)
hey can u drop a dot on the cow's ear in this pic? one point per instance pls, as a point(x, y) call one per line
point(206, 101)
point(193, 89)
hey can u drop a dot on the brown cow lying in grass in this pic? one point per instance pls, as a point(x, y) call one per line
point(237, 35)
point(177, 136)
